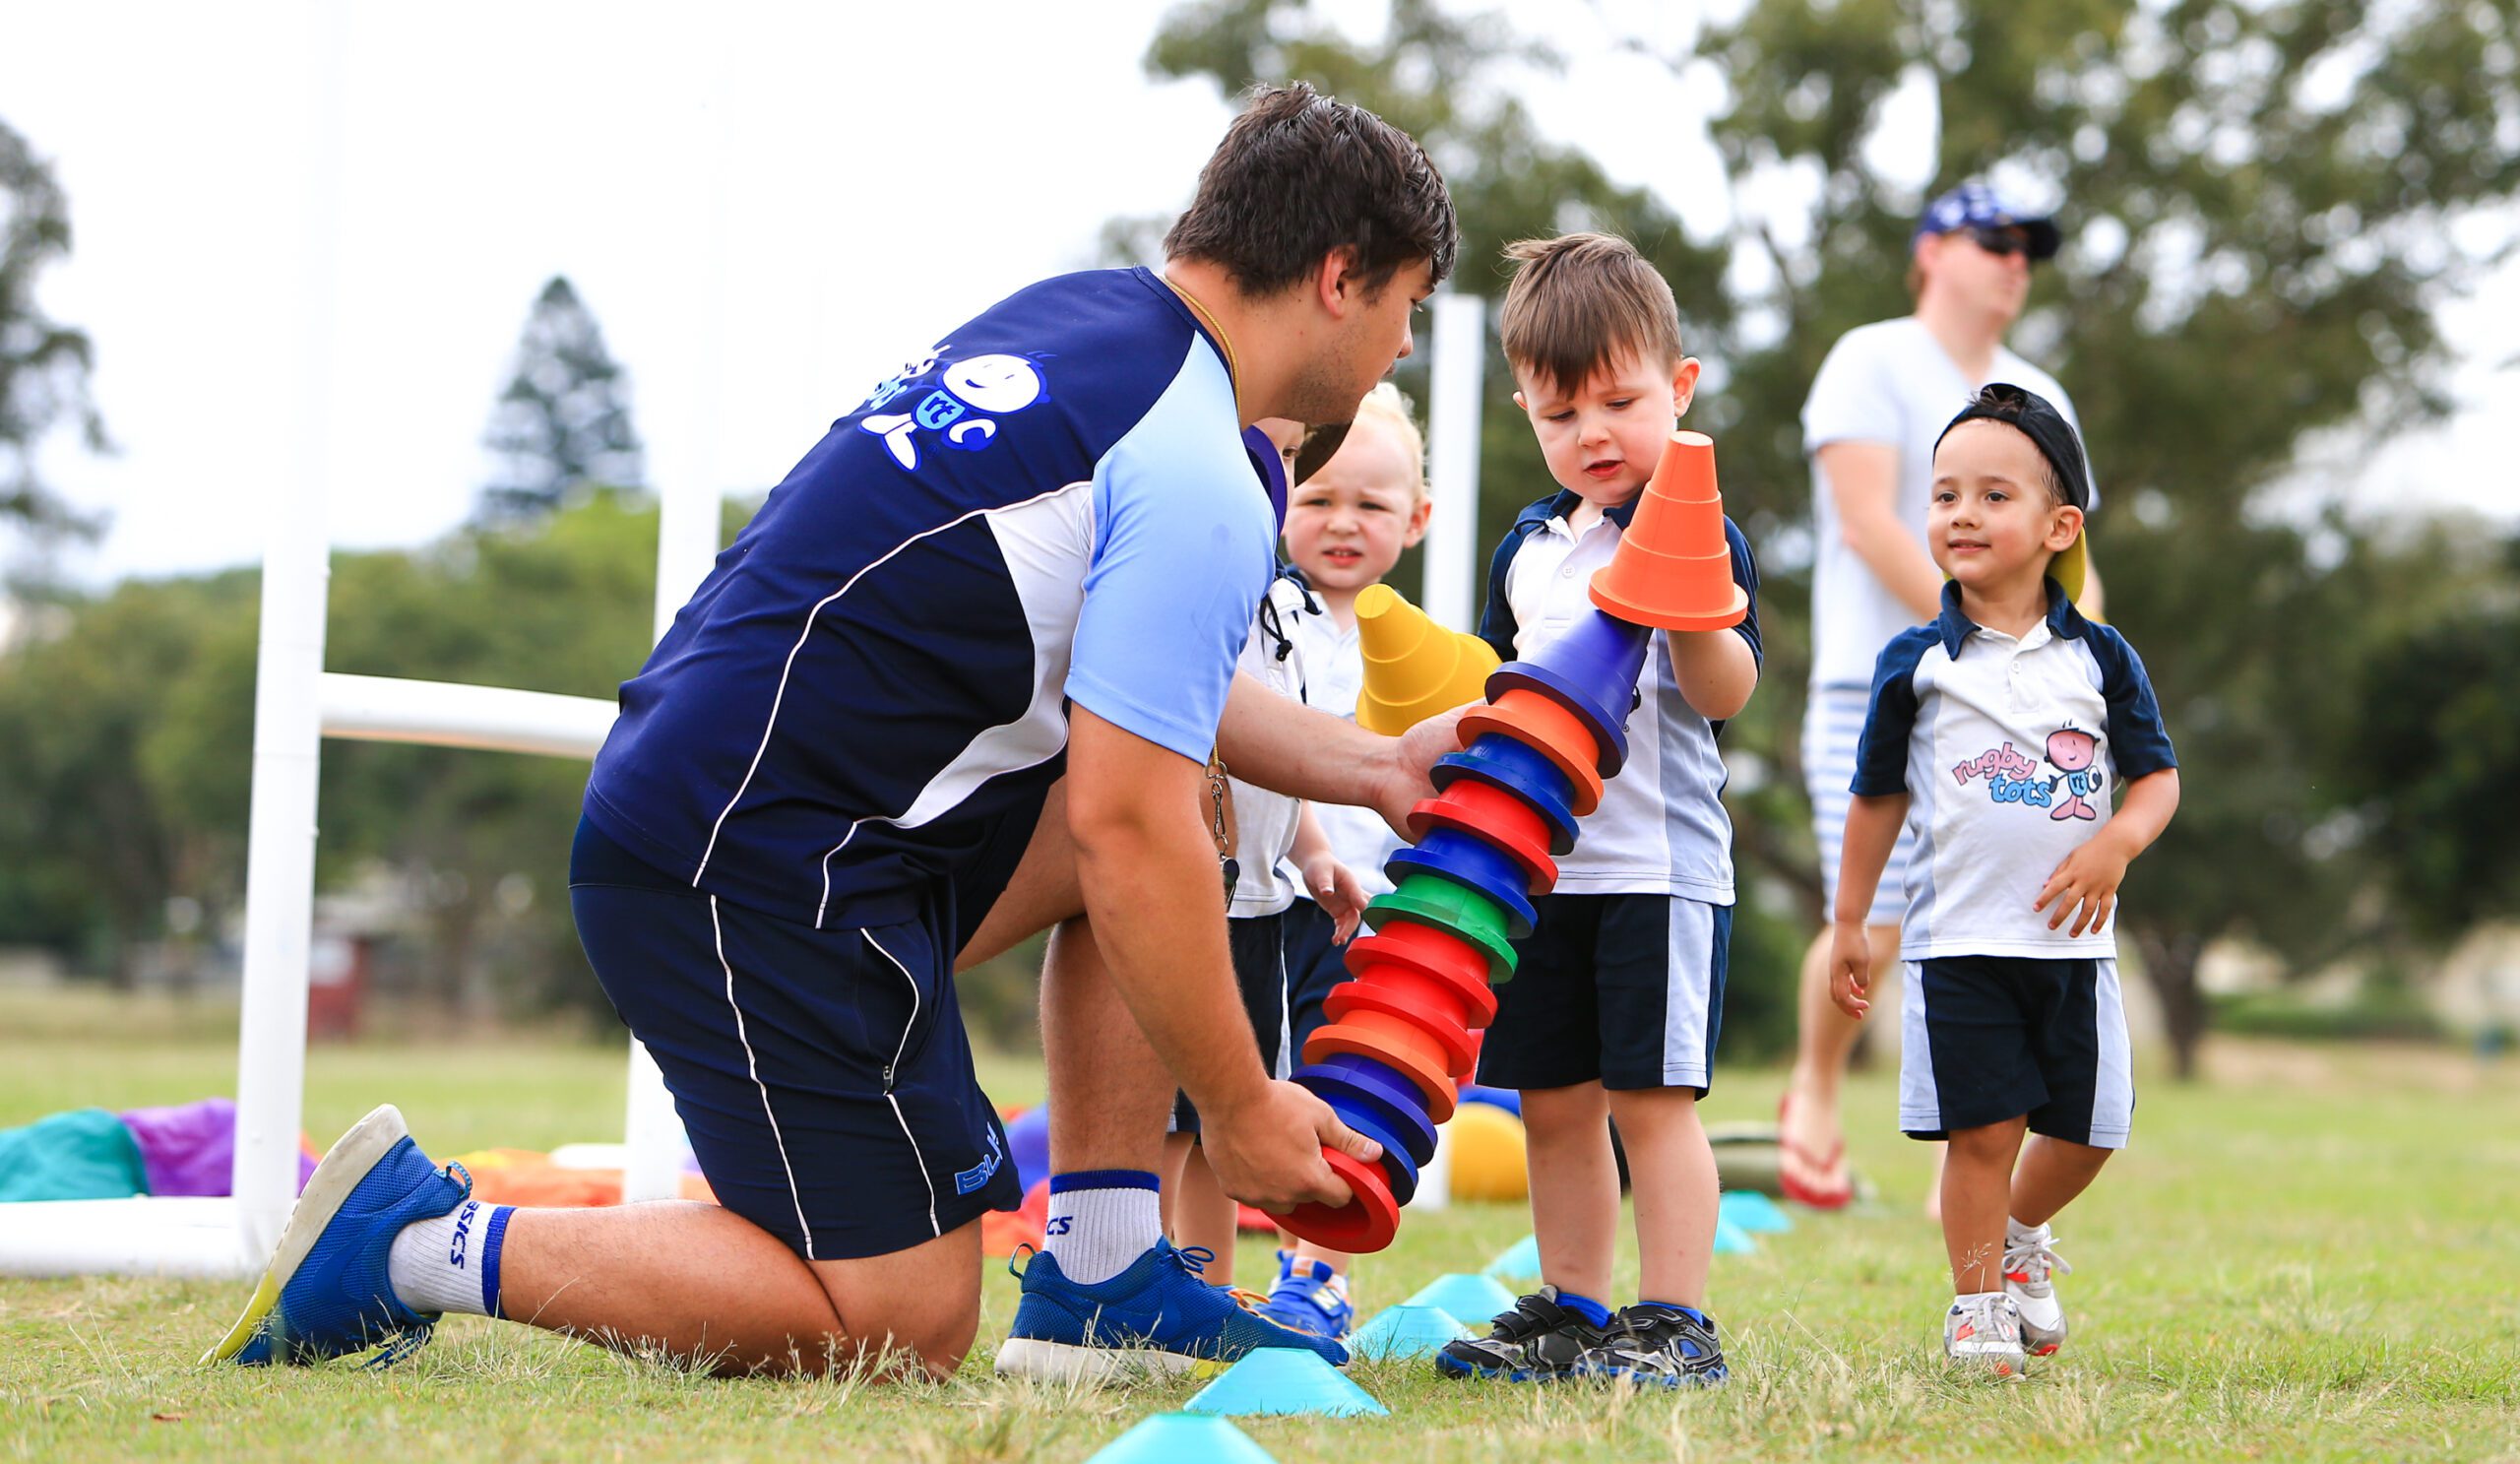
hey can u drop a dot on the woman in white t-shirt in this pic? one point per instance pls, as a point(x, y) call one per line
point(1881, 397)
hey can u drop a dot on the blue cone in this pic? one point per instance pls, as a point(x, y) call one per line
point(1284, 1381)
point(1473, 1298)
point(1169, 1436)
point(1364, 1118)
point(1591, 671)
point(1732, 1239)
point(1477, 866)
point(1406, 1331)
point(1756, 1212)
point(1375, 1088)
point(1521, 770)
point(1520, 1262)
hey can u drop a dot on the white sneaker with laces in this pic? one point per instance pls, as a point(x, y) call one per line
point(1984, 1331)
point(2030, 1260)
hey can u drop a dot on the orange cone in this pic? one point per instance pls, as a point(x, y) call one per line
point(1674, 569)
point(1413, 666)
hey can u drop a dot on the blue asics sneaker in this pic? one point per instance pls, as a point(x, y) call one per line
point(1663, 1347)
point(1156, 1317)
point(325, 1292)
point(1311, 1297)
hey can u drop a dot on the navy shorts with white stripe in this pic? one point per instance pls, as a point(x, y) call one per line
point(824, 1076)
point(1627, 991)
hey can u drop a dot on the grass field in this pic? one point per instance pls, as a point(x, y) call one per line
point(2310, 1255)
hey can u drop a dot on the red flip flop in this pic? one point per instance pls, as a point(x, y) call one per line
point(1799, 1193)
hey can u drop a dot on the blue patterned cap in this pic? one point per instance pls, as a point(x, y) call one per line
point(1975, 206)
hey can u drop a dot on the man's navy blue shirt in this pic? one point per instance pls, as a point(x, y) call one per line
point(1054, 505)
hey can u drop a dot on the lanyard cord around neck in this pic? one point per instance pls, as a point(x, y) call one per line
point(1224, 342)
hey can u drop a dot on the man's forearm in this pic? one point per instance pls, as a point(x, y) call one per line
point(1898, 559)
point(1279, 743)
point(1151, 892)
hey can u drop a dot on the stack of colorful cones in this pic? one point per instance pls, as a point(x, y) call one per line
point(1413, 666)
point(1533, 761)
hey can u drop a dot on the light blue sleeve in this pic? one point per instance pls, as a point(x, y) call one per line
point(1184, 548)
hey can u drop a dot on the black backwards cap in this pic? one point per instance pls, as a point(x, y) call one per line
point(2038, 419)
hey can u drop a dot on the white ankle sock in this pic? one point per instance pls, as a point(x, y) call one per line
point(1101, 1220)
point(451, 1263)
point(2015, 1232)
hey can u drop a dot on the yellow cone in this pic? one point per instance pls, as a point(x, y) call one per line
point(1413, 666)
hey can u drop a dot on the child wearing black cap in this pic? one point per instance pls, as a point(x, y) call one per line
point(1998, 735)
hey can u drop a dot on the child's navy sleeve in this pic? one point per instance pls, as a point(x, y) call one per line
point(1746, 573)
point(1496, 623)
point(1881, 754)
point(2137, 742)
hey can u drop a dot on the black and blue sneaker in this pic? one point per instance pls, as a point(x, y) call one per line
point(1655, 1345)
point(1539, 1341)
point(326, 1292)
point(1157, 1316)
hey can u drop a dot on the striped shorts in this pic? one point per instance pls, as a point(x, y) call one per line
point(1832, 724)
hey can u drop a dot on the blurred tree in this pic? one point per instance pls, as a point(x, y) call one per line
point(2428, 767)
point(43, 364)
point(564, 419)
point(2266, 206)
point(90, 851)
point(126, 729)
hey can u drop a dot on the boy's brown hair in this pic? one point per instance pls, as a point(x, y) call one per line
point(1580, 301)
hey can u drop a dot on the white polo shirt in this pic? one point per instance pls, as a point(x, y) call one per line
point(1889, 382)
point(1661, 827)
point(1334, 671)
point(1264, 822)
point(2010, 751)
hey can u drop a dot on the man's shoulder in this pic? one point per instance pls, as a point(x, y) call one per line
point(1892, 338)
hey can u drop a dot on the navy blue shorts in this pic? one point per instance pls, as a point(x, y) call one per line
point(824, 1076)
point(1987, 1038)
point(1623, 989)
point(1258, 944)
point(1313, 967)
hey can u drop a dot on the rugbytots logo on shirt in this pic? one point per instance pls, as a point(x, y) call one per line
point(2011, 777)
point(958, 414)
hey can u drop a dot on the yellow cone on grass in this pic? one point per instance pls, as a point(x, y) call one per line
point(1413, 666)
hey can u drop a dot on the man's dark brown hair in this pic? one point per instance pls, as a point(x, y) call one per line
point(1579, 302)
point(1300, 174)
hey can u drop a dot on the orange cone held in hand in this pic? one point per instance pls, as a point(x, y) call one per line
point(1413, 666)
point(1673, 569)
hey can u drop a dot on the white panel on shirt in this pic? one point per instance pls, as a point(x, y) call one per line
point(1264, 822)
point(1334, 671)
point(1889, 382)
point(1047, 543)
point(1982, 791)
point(1661, 828)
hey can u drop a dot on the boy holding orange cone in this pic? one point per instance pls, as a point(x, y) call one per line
point(1613, 1006)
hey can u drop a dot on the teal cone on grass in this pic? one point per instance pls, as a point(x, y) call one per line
point(1520, 1262)
point(1732, 1239)
point(1284, 1381)
point(1473, 1299)
point(1169, 1436)
point(1406, 1331)
point(1756, 1212)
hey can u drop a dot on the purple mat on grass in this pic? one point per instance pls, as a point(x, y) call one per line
point(190, 1148)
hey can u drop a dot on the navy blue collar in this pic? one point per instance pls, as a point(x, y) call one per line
point(1955, 626)
point(1563, 506)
